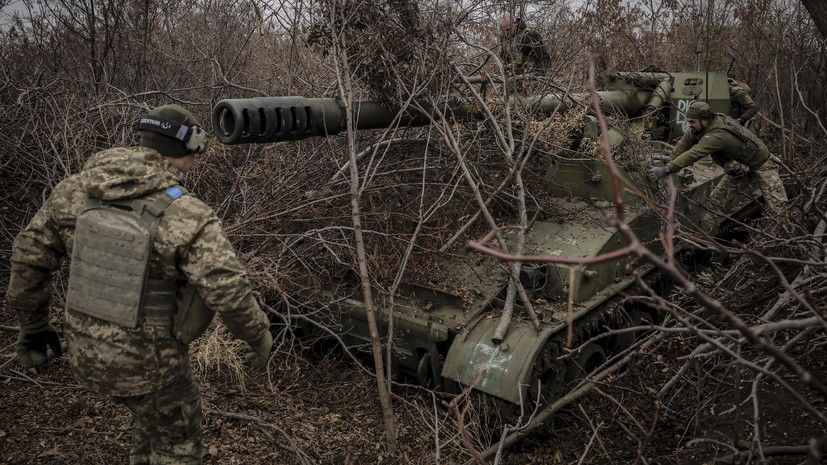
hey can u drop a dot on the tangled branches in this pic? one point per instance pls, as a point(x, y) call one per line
point(395, 51)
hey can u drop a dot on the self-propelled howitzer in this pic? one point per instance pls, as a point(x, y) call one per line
point(444, 328)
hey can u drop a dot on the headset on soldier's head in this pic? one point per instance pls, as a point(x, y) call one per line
point(193, 137)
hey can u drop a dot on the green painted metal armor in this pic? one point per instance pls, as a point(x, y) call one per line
point(443, 328)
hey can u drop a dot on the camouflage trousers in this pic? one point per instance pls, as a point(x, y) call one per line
point(167, 425)
point(733, 192)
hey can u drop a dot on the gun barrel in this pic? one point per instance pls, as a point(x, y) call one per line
point(276, 119)
point(629, 102)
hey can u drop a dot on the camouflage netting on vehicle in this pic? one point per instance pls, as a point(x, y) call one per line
point(390, 47)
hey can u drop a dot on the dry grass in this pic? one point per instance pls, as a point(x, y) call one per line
point(217, 355)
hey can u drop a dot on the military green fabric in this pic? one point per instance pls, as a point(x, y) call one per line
point(741, 105)
point(190, 246)
point(110, 261)
point(718, 141)
point(698, 110)
point(167, 425)
point(38, 249)
point(192, 317)
point(743, 85)
point(169, 146)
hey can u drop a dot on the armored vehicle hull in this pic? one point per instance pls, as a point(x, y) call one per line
point(443, 329)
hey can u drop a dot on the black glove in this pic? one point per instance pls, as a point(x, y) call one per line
point(663, 158)
point(32, 341)
point(261, 351)
point(657, 172)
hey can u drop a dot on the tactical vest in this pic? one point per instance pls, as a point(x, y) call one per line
point(750, 145)
point(108, 278)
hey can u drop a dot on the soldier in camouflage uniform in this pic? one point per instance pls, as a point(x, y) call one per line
point(741, 106)
point(746, 161)
point(517, 38)
point(146, 367)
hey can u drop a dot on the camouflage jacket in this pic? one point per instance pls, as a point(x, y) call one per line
point(719, 143)
point(190, 245)
point(741, 105)
point(529, 45)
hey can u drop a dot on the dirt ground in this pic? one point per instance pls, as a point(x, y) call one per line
point(311, 409)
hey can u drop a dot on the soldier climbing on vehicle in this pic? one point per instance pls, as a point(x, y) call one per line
point(746, 160)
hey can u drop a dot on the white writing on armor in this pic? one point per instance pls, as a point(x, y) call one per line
point(680, 120)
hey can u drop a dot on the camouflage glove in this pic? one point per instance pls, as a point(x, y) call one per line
point(261, 351)
point(32, 341)
point(663, 158)
point(657, 172)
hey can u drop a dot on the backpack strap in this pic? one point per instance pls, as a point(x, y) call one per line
point(156, 207)
point(151, 212)
point(159, 295)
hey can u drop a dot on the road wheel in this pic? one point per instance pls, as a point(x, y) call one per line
point(584, 362)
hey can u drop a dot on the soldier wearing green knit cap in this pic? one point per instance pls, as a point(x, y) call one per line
point(150, 265)
point(746, 161)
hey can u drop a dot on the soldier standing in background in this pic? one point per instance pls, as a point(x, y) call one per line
point(136, 300)
point(741, 106)
point(517, 38)
point(746, 160)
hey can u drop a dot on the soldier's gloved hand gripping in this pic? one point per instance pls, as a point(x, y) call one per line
point(32, 342)
point(261, 351)
point(657, 172)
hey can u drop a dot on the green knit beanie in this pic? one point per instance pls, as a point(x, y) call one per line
point(700, 110)
point(166, 145)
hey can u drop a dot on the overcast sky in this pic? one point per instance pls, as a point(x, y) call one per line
point(9, 7)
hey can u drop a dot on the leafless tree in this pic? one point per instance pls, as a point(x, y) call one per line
point(381, 204)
